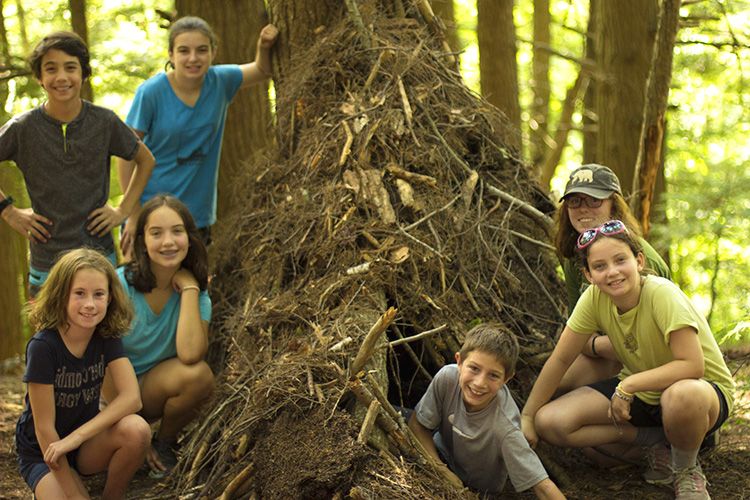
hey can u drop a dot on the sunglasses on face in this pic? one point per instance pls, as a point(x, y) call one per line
point(610, 227)
point(577, 201)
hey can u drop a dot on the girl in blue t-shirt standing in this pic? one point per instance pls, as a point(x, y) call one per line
point(81, 311)
point(167, 284)
point(180, 116)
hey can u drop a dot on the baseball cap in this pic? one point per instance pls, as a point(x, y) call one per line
point(594, 180)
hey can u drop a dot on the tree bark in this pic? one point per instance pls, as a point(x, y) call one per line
point(78, 23)
point(590, 113)
point(496, 37)
point(11, 267)
point(446, 11)
point(11, 326)
point(300, 24)
point(628, 31)
point(650, 152)
point(540, 86)
point(237, 24)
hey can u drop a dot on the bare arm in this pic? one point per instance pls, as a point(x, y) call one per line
point(424, 435)
point(568, 347)
point(688, 364)
point(103, 219)
point(547, 490)
point(127, 402)
point(260, 69)
point(42, 399)
point(192, 330)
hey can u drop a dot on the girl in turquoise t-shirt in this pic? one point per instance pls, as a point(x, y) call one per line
point(180, 115)
point(167, 284)
point(674, 388)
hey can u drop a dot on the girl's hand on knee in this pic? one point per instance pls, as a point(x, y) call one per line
point(55, 451)
point(529, 430)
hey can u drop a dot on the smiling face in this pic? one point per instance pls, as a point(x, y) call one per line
point(584, 217)
point(192, 55)
point(165, 238)
point(614, 268)
point(88, 301)
point(61, 76)
point(480, 376)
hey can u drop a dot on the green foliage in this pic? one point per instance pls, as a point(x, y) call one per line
point(707, 153)
point(126, 43)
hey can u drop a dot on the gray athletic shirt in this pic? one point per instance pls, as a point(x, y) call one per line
point(481, 448)
point(66, 169)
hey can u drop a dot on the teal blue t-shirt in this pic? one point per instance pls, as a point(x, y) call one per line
point(153, 337)
point(185, 140)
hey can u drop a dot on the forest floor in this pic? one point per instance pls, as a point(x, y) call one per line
point(727, 466)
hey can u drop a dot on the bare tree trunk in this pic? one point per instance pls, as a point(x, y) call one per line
point(590, 113)
point(540, 85)
point(496, 36)
point(300, 24)
point(445, 10)
point(650, 153)
point(628, 31)
point(237, 24)
point(11, 330)
point(21, 14)
point(78, 23)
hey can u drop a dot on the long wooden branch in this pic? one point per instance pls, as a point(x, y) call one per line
point(368, 346)
point(544, 220)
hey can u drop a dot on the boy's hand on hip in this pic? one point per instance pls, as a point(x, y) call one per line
point(28, 223)
point(104, 219)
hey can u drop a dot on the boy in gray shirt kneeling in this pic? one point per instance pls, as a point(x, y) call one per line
point(468, 422)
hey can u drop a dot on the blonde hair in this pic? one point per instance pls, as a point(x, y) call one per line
point(49, 309)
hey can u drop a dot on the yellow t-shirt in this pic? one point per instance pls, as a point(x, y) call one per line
point(641, 336)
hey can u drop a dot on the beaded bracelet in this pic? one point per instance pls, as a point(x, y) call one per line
point(625, 396)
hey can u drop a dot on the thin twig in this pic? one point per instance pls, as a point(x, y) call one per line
point(418, 336)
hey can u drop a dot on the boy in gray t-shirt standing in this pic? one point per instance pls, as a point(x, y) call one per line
point(467, 420)
point(63, 149)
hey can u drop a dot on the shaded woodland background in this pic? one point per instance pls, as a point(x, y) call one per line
point(377, 198)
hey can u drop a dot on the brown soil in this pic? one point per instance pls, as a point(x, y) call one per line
point(727, 466)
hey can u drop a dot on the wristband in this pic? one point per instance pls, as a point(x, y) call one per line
point(625, 396)
point(190, 287)
point(593, 349)
point(7, 201)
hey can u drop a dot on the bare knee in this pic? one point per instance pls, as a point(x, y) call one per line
point(199, 380)
point(133, 431)
point(549, 425)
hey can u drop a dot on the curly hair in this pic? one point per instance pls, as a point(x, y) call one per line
point(566, 235)
point(494, 339)
point(68, 42)
point(50, 308)
point(138, 272)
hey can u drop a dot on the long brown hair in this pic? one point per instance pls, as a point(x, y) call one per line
point(566, 235)
point(138, 273)
point(50, 308)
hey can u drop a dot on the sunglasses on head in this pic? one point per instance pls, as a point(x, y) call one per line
point(609, 228)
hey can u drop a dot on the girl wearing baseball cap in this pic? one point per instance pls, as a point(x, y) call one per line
point(592, 197)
